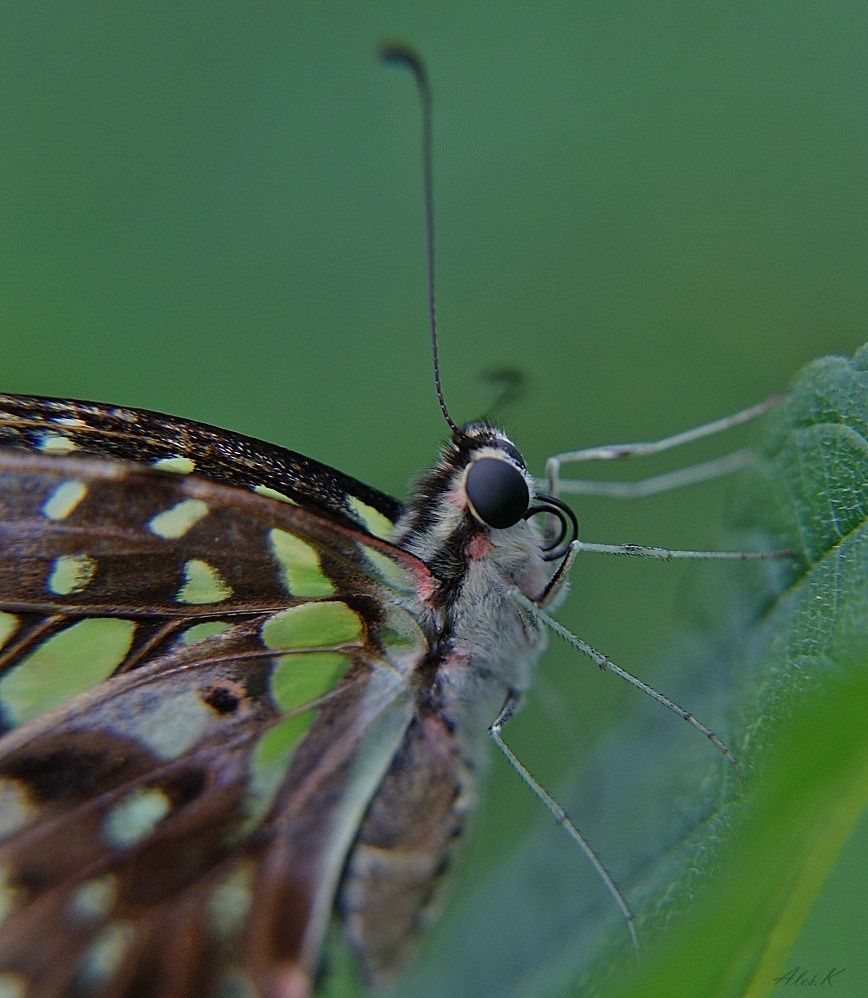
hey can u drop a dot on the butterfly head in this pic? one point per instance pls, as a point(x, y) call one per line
point(495, 480)
point(480, 490)
point(499, 488)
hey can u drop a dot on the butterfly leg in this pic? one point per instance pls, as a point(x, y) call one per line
point(557, 812)
point(689, 475)
point(606, 664)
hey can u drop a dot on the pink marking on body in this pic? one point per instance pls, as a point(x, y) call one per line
point(290, 982)
point(425, 585)
point(479, 547)
point(456, 497)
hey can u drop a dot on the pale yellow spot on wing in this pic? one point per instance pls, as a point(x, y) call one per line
point(230, 903)
point(70, 573)
point(265, 490)
point(302, 571)
point(104, 955)
point(175, 522)
point(16, 808)
point(93, 900)
point(8, 626)
point(65, 664)
point(390, 572)
point(234, 982)
point(179, 465)
point(172, 725)
point(12, 985)
point(56, 443)
point(202, 584)
point(12, 897)
point(64, 499)
point(135, 817)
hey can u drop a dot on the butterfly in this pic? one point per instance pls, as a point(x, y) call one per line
point(241, 691)
point(286, 681)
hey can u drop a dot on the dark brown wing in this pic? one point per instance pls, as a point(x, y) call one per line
point(201, 689)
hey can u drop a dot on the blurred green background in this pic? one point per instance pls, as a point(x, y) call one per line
point(656, 212)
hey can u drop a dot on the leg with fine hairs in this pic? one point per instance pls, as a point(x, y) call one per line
point(558, 813)
point(658, 483)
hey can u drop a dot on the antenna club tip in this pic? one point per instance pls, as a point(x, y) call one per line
point(402, 54)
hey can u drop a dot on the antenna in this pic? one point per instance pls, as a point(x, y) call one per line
point(403, 55)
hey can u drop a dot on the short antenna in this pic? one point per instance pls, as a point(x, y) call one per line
point(403, 55)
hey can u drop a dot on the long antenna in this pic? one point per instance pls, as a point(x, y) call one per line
point(403, 55)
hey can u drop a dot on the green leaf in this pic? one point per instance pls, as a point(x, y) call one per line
point(722, 875)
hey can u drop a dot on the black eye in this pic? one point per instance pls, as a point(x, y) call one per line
point(497, 492)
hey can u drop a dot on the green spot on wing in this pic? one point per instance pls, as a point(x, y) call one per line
point(44, 679)
point(302, 571)
point(270, 760)
point(390, 572)
point(266, 490)
point(70, 573)
point(55, 443)
point(8, 626)
point(207, 629)
point(301, 679)
point(297, 680)
point(312, 625)
point(202, 584)
point(372, 519)
point(171, 725)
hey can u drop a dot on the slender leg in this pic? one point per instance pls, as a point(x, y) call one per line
point(558, 813)
point(658, 483)
point(605, 663)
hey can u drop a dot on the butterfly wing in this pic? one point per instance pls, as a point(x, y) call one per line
point(61, 426)
point(201, 689)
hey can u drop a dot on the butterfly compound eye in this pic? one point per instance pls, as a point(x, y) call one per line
point(497, 492)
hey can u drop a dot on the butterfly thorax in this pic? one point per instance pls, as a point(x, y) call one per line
point(482, 650)
point(484, 639)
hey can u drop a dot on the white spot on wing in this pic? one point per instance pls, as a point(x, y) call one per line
point(56, 443)
point(179, 465)
point(92, 901)
point(266, 490)
point(16, 808)
point(135, 817)
point(103, 956)
point(64, 499)
point(175, 522)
